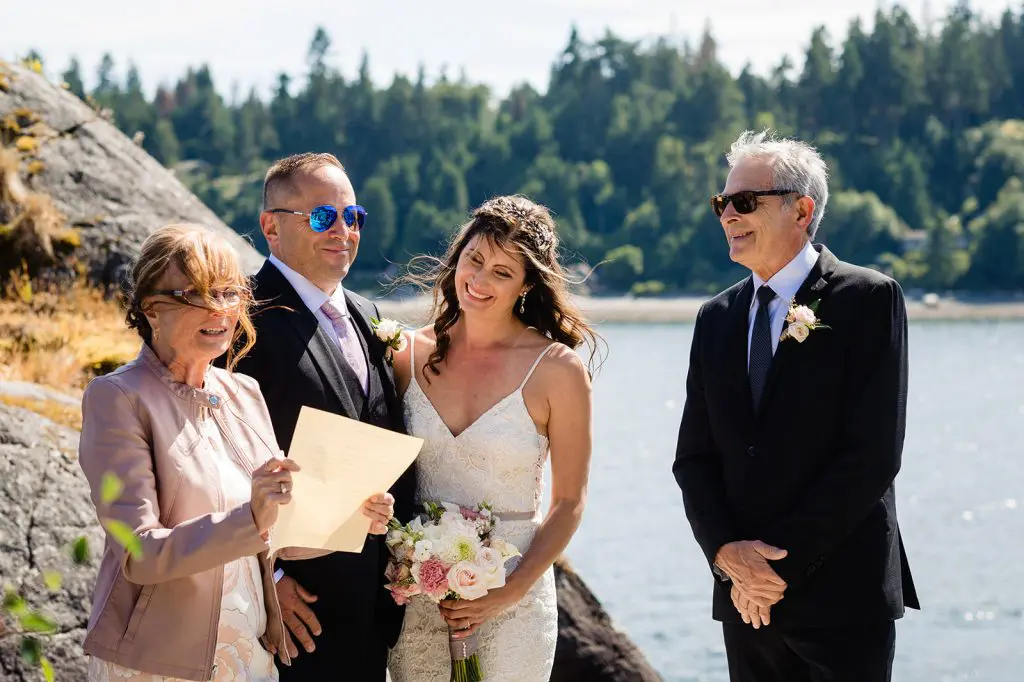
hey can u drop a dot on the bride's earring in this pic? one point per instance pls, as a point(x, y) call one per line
point(522, 304)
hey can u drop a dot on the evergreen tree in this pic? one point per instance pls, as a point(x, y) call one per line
point(815, 84)
point(73, 77)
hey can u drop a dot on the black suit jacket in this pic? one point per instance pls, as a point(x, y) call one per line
point(297, 364)
point(812, 471)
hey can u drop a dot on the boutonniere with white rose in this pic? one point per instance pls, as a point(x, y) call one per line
point(801, 320)
point(390, 333)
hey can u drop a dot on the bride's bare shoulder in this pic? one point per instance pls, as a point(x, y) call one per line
point(563, 368)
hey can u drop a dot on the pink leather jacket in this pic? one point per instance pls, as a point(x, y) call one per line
point(160, 613)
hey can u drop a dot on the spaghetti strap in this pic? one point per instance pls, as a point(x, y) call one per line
point(535, 363)
point(412, 357)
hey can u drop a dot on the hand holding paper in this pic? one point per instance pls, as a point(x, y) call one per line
point(379, 509)
point(271, 487)
point(343, 463)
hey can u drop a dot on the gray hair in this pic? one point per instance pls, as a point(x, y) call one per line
point(794, 165)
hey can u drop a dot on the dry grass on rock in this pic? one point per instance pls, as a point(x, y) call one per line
point(63, 337)
point(55, 330)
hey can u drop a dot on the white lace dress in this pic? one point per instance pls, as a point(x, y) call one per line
point(499, 458)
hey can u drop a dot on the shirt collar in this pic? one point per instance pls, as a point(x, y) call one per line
point(787, 281)
point(312, 295)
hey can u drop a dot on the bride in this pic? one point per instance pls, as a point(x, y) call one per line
point(492, 387)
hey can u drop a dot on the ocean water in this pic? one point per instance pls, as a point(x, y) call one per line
point(960, 498)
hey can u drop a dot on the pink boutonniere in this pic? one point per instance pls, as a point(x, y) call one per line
point(801, 320)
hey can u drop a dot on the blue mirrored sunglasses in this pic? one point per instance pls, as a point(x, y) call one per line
point(323, 217)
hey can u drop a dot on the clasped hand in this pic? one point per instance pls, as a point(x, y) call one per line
point(756, 587)
point(466, 615)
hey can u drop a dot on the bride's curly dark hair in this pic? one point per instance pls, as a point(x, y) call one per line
point(519, 226)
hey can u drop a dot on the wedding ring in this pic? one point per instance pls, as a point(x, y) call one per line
point(283, 489)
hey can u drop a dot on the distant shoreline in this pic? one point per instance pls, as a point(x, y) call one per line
point(626, 309)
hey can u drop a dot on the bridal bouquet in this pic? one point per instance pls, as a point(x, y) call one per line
point(448, 553)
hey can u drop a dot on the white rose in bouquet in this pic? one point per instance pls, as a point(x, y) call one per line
point(492, 567)
point(465, 580)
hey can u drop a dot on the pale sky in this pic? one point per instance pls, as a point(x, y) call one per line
point(248, 42)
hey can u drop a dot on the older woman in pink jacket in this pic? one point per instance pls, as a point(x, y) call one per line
point(202, 478)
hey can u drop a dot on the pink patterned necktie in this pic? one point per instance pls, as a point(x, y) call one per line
point(349, 344)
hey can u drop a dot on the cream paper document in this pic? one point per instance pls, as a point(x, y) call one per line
point(343, 462)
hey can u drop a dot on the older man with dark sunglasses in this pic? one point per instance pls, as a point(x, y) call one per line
point(315, 346)
point(792, 435)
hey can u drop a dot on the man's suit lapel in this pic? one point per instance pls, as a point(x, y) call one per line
point(324, 353)
point(382, 374)
point(361, 320)
point(814, 288)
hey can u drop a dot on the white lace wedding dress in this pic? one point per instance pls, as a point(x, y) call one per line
point(499, 458)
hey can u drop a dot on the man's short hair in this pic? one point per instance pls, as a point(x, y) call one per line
point(795, 166)
point(285, 170)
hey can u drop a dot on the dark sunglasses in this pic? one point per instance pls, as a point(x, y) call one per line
point(322, 217)
point(744, 201)
point(223, 298)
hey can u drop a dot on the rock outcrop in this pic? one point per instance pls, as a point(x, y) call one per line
point(44, 509)
point(109, 191)
point(589, 645)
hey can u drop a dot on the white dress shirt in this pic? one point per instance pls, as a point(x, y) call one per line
point(785, 283)
point(314, 298)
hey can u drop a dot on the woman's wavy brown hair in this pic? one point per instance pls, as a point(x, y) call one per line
point(521, 227)
point(208, 261)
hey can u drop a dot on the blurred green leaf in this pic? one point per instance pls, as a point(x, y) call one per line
point(13, 603)
point(31, 621)
point(31, 651)
point(80, 551)
point(111, 488)
point(125, 537)
point(44, 662)
point(53, 580)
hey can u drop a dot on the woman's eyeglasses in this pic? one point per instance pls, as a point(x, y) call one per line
point(746, 201)
point(222, 298)
point(322, 217)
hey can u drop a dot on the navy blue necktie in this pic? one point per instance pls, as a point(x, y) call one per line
point(760, 345)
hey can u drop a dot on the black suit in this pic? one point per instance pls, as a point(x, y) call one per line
point(811, 472)
point(296, 364)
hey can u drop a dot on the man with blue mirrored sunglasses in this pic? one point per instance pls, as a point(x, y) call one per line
point(315, 346)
